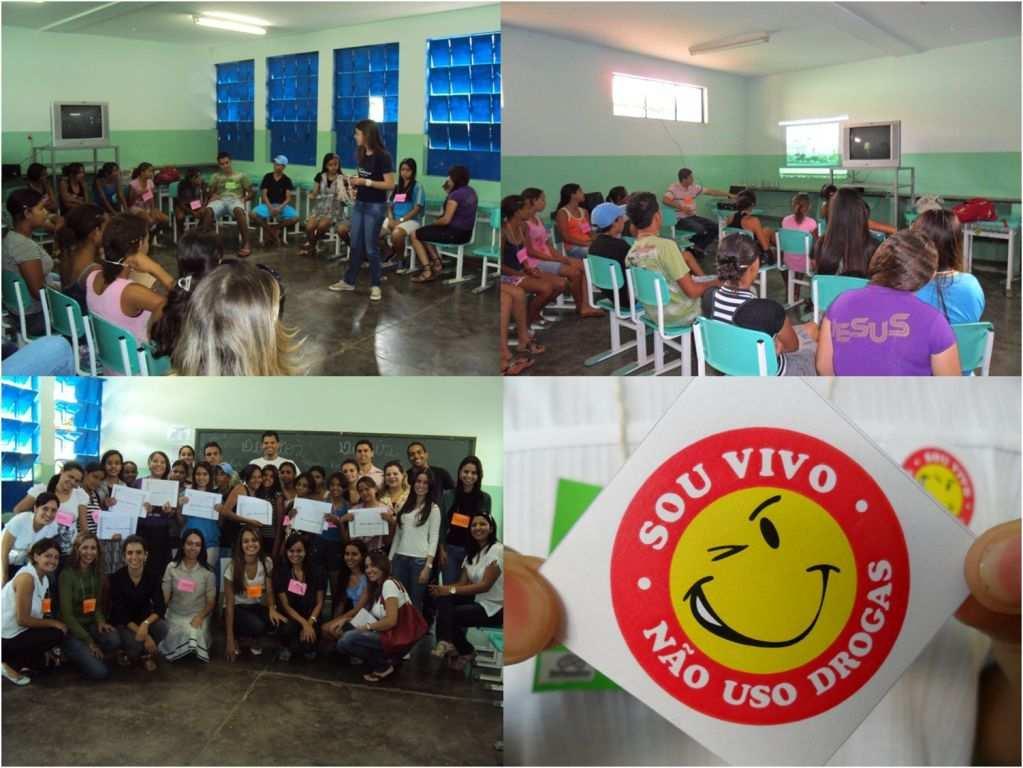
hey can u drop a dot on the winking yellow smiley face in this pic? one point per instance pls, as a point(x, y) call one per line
point(942, 483)
point(763, 580)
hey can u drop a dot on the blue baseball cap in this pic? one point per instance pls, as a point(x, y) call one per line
point(281, 160)
point(606, 214)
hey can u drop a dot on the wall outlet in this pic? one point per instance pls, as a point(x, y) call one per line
point(30, 138)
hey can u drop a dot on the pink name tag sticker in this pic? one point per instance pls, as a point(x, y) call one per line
point(195, 205)
point(329, 524)
point(186, 585)
point(401, 198)
point(297, 587)
point(65, 518)
point(95, 515)
point(147, 195)
point(287, 521)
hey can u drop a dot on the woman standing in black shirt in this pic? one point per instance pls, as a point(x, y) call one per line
point(459, 506)
point(374, 180)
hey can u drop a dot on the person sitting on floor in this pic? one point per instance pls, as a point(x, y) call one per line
point(28, 636)
point(299, 585)
point(738, 263)
point(476, 599)
point(137, 606)
point(884, 329)
point(250, 605)
point(90, 637)
point(454, 226)
point(275, 211)
point(190, 591)
point(661, 255)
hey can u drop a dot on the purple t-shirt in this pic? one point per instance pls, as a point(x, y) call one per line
point(877, 331)
point(465, 213)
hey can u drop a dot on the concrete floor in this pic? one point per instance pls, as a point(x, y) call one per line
point(570, 340)
point(431, 329)
point(253, 712)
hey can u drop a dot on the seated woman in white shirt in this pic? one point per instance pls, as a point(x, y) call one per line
point(250, 607)
point(385, 597)
point(476, 599)
point(27, 635)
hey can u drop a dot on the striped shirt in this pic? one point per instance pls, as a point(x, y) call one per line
point(727, 301)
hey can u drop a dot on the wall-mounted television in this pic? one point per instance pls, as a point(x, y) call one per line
point(80, 124)
point(871, 145)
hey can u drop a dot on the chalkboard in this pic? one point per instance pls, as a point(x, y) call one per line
point(329, 449)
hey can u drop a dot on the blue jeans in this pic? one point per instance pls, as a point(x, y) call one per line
point(406, 570)
point(366, 221)
point(135, 650)
point(454, 567)
point(366, 645)
point(89, 665)
point(46, 356)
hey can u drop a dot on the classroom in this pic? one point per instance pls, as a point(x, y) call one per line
point(280, 87)
point(210, 691)
point(744, 121)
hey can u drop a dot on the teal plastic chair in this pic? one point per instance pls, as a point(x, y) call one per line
point(732, 350)
point(794, 241)
point(120, 351)
point(15, 299)
point(726, 231)
point(683, 237)
point(651, 289)
point(826, 288)
point(490, 255)
point(456, 252)
point(67, 320)
point(606, 274)
point(976, 342)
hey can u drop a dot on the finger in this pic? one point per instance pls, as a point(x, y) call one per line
point(992, 568)
point(533, 612)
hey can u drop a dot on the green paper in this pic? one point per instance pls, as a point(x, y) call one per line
point(557, 668)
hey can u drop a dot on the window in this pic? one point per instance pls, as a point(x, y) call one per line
point(658, 99)
point(291, 103)
point(20, 443)
point(235, 104)
point(77, 407)
point(365, 86)
point(463, 113)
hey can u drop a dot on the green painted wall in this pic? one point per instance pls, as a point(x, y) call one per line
point(161, 147)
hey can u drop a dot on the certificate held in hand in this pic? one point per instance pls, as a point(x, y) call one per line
point(160, 492)
point(367, 523)
point(115, 521)
point(308, 515)
point(129, 500)
point(255, 509)
point(201, 504)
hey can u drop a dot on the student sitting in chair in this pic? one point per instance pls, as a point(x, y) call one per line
point(572, 221)
point(80, 239)
point(454, 226)
point(544, 286)
point(956, 293)
point(847, 246)
point(24, 256)
point(72, 188)
point(734, 302)
point(661, 255)
point(609, 222)
point(682, 197)
point(884, 329)
point(228, 192)
point(191, 196)
point(743, 218)
point(37, 178)
point(276, 192)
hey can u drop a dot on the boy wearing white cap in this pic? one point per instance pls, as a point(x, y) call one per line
point(276, 191)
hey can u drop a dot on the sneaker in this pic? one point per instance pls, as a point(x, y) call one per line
point(256, 650)
point(15, 677)
point(374, 293)
point(340, 286)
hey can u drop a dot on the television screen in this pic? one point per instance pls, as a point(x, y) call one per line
point(870, 142)
point(81, 122)
point(815, 145)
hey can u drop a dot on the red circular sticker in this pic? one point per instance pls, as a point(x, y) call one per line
point(944, 477)
point(760, 576)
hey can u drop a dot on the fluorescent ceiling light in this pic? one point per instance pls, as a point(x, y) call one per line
point(728, 43)
point(233, 26)
point(815, 120)
point(237, 17)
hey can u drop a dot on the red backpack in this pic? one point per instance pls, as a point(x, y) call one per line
point(167, 175)
point(977, 209)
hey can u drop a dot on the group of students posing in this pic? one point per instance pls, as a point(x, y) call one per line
point(898, 324)
point(68, 594)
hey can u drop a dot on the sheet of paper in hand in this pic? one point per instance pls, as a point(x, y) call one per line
point(201, 504)
point(308, 515)
point(759, 572)
point(129, 500)
point(255, 509)
point(367, 523)
point(160, 492)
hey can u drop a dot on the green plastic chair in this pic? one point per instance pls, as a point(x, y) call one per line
point(490, 255)
point(67, 320)
point(457, 252)
point(15, 299)
point(606, 274)
point(726, 231)
point(651, 289)
point(683, 237)
point(152, 365)
point(120, 351)
point(794, 241)
point(732, 350)
point(976, 342)
point(826, 288)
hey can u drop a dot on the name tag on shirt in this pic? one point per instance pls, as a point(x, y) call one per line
point(65, 519)
point(195, 205)
point(47, 605)
point(186, 585)
point(89, 605)
point(297, 587)
point(147, 195)
point(254, 590)
point(462, 521)
point(401, 198)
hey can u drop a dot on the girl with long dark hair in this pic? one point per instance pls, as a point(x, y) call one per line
point(459, 506)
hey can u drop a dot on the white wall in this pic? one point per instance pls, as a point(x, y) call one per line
point(148, 85)
point(162, 414)
point(558, 102)
point(961, 99)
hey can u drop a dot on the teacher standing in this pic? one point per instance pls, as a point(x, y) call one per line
point(374, 180)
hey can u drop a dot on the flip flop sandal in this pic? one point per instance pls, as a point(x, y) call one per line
point(376, 677)
point(535, 349)
point(244, 253)
point(427, 276)
point(517, 366)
